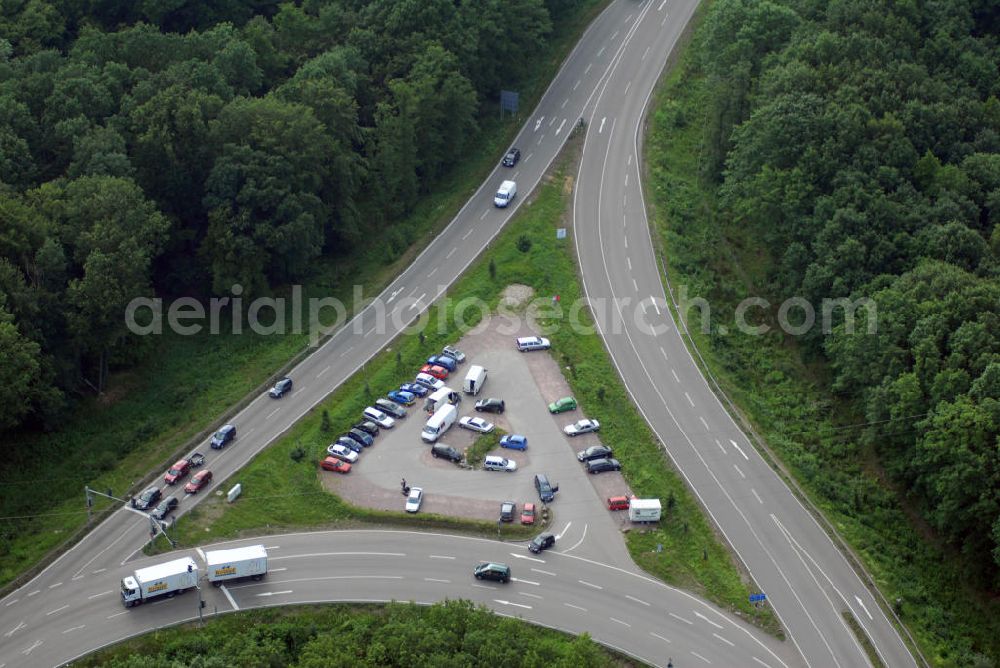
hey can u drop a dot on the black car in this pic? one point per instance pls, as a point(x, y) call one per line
point(368, 427)
point(390, 407)
point(492, 571)
point(491, 405)
point(281, 388)
point(542, 541)
point(167, 506)
point(546, 490)
point(223, 437)
point(446, 451)
point(147, 499)
point(513, 155)
point(362, 437)
point(601, 465)
point(348, 442)
point(507, 511)
point(594, 452)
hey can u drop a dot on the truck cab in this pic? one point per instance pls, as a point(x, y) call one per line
point(130, 592)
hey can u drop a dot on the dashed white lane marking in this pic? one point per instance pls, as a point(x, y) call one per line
point(761, 662)
point(626, 91)
point(645, 53)
point(602, 48)
point(75, 628)
point(437, 580)
point(15, 629)
point(524, 593)
point(272, 413)
point(527, 582)
point(103, 593)
point(718, 443)
point(552, 121)
point(563, 105)
point(589, 65)
point(590, 584)
point(58, 584)
point(724, 640)
point(676, 377)
point(57, 610)
point(33, 593)
point(628, 19)
point(524, 556)
point(485, 213)
point(576, 84)
point(529, 157)
point(540, 140)
point(517, 605)
point(366, 334)
point(662, 4)
point(757, 496)
point(232, 601)
point(686, 621)
point(466, 235)
point(483, 586)
point(637, 600)
point(559, 129)
point(440, 556)
point(690, 400)
point(450, 253)
point(322, 372)
point(629, 260)
point(657, 635)
point(123, 612)
point(10, 603)
point(616, 34)
point(539, 570)
point(703, 422)
point(635, 285)
point(276, 570)
point(620, 622)
point(625, 239)
point(735, 445)
point(664, 352)
point(575, 607)
point(664, 21)
point(35, 645)
point(703, 617)
point(626, 180)
point(349, 349)
point(701, 657)
point(99, 570)
point(655, 305)
point(742, 475)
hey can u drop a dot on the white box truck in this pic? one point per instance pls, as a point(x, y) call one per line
point(237, 563)
point(474, 379)
point(439, 423)
point(644, 510)
point(173, 577)
point(440, 397)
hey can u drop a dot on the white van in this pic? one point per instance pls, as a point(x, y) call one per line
point(439, 423)
point(441, 397)
point(505, 195)
point(494, 463)
point(474, 380)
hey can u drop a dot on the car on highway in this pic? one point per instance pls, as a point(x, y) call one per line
point(402, 397)
point(166, 506)
point(594, 452)
point(147, 499)
point(342, 452)
point(562, 405)
point(198, 482)
point(528, 513)
point(527, 343)
point(350, 443)
point(507, 511)
point(454, 353)
point(223, 437)
point(180, 469)
point(438, 372)
point(495, 463)
point(368, 427)
point(476, 424)
point(281, 388)
point(514, 442)
point(414, 499)
point(429, 381)
point(448, 363)
point(584, 426)
point(513, 155)
point(602, 465)
point(390, 407)
point(335, 465)
point(492, 571)
point(379, 418)
point(362, 437)
point(415, 388)
point(542, 541)
point(491, 405)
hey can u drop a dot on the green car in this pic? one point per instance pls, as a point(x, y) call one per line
point(563, 405)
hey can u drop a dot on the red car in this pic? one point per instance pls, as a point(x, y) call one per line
point(438, 372)
point(177, 471)
point(200, 479)
point(335, 465)
point(528, 513)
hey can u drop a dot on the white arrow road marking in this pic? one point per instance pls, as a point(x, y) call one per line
point(858, 599)
point(232, 601)
point(274, 593)
point(15, 629)
point(735, 445)
point(538, 123)
point(563, 532)
point(75, 628)
point(519, 605)
point(394, 293)
point(637, 600)
point(33, 647)
point(601, 129)
point(575, 607)
point(701, 616)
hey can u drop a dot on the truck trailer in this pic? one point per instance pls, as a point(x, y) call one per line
point(173, 577)
point(644, 510)
point(237, 563)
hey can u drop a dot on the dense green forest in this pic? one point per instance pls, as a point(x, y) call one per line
point(453, 633)
point(179, 148)
point(859, 143)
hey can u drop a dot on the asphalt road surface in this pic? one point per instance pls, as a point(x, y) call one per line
point(61, 612)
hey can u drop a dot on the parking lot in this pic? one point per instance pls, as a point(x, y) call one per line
point(527, 382)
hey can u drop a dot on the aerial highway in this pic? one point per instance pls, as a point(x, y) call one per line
point(806, 578)
point(69, 608)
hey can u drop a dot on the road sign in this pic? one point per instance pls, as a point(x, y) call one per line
point(757, 598)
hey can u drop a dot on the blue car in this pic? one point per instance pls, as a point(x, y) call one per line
point(402, 397)
point(448, 363)
point(514, 442)
point(415, 388)
point(223, 437)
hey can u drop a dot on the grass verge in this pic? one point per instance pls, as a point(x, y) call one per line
point(153, 412)
point(785, 396)
point(682, 550)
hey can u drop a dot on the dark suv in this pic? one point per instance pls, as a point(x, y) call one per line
point(390, 407)
point(147, 499)
point(542, 541)
point(491, 405)
point(167, 506)
point(223, 437)
point(446, 451)
point(601, 465)
point(546, 490)
point(368, 426)
point(513, 155)
point(491, 571)
point(594, 452)
point(281, 388)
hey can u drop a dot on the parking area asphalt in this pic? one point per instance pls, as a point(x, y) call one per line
point(527, 382)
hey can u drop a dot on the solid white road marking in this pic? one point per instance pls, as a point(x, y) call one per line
point(563, 532)
point(437, 580)
point(637, 600)
point(75, 628)
point(731, 644)
point(110, 591)
point(701, 657)
point(620, 622)
point(690, 400)
point(519, 605)
point(57, 610)
point(740, 449)
point(757, 496)
point(686, 621)
point(524, 556)
point(577, 544)
point(858, 599)
point(527, 582)
point(701, 616)
point(575, 607)
point(742, 475)
point(232, 601)
point(539, 570)
point(590, 584)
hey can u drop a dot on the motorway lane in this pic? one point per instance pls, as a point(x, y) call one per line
point(622, 609)
point(807, 580)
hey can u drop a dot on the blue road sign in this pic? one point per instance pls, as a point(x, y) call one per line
point(757, 598)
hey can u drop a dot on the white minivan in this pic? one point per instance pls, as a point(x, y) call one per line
point(474, 379)
point(439, 423)
point(505, 194)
